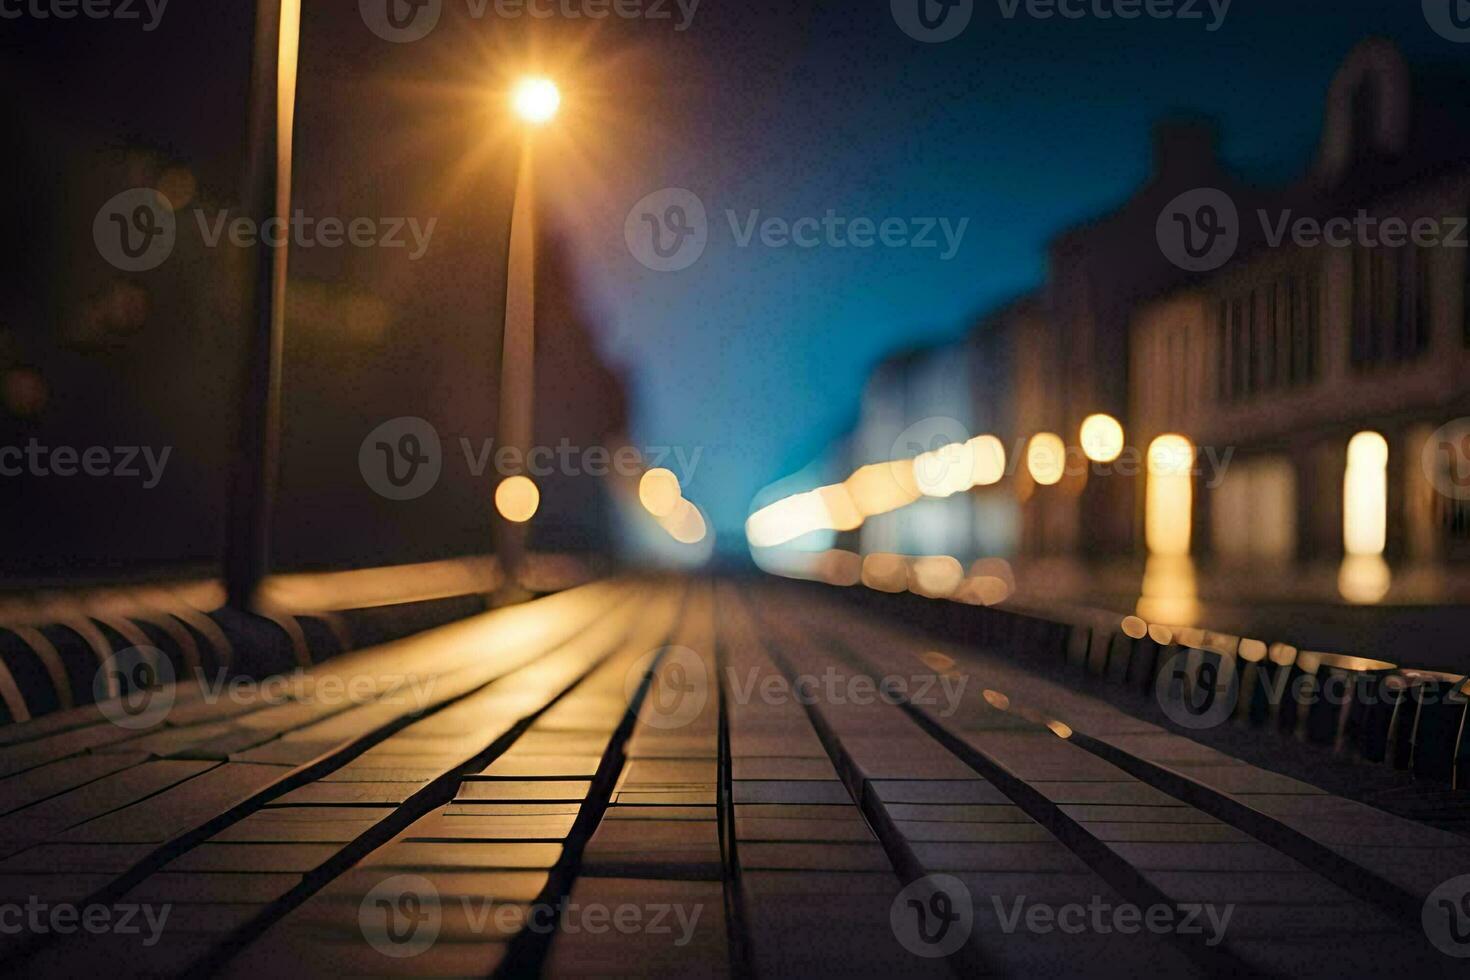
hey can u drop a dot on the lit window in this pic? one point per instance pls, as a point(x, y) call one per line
point(1169, 498)
point(1365, 495)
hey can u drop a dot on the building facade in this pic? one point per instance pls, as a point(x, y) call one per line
point(1311, 379)
point(1291, 350)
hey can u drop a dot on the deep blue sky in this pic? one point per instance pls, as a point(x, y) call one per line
point(1023, 126)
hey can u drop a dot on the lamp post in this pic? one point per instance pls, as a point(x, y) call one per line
point(535, 102)
point(254, 461)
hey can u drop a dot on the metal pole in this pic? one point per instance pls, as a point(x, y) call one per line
point(267, 196)
point(518, 354)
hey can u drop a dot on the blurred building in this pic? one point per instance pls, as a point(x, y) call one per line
point(91, 356)
point(1288, 353)
point(1268, 366)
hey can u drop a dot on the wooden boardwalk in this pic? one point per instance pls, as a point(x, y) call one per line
point(697, 778)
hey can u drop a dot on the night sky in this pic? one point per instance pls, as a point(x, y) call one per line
point(754, 357)
point(1022, 126)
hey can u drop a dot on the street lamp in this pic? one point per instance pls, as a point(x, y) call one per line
point(254, 461)
point(535, 102)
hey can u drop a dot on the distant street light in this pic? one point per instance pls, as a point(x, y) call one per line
point(536, 102)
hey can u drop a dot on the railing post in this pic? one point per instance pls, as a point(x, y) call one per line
point(516, 419)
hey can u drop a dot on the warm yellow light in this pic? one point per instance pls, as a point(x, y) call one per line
point(1252, 651)
point(945, 471)
point(988, 461)
point(901, 472)
point(1102, 438)
point(1169, 498)
point(1365, 495)
point(1368, 449)
point(877, 490)
point(1364, 579)
point(537, 100)
point(991, 581)
point(842, 513)
point(1046, 458)
point(938, 662)
point(1170, 455)
point(1170, 594)
point(886, 573)
point(517, 499)
point(786, 520)
point(659, 492)
point(935, 576)
point(686, 525)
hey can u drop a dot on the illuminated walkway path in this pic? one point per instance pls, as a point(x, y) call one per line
point(701, 779)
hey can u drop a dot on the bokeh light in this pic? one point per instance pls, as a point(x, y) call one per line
point(659, 492)
point(1365, 495)
point(944, 472)
point(987, 461)
point(1169, 498)
point(686, 524)
point(517, 499)
point(1046, 458)
point(1102, 438)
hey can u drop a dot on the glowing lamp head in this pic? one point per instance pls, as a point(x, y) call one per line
point(536, 100)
